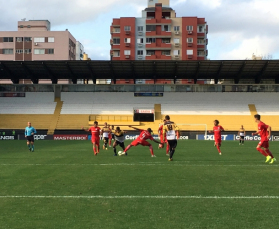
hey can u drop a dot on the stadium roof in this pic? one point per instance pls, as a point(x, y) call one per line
point(222, 69)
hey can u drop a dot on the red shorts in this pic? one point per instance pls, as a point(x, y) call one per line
point(140, 142)
point(96, 141)
point(218, 141)
point(264, 144)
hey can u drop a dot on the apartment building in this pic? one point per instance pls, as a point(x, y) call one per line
point(159, 35)
point(35, 41)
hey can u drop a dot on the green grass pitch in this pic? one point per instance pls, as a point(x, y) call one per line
point(62, 185)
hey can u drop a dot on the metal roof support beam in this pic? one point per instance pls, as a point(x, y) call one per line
point(260, 74)
point(74, 78)
point(237, 77)
point(50, 73)
point(175, 73)
point(154, 72)
point(216, 80)
point(277, 80)
point(112, 72)
point(13, 78)
point(30, 74)
point(93, 75)
point(197, 72)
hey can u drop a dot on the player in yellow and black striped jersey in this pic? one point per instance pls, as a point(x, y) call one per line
point(119, 139)
point(105, 132)
point(172, 134)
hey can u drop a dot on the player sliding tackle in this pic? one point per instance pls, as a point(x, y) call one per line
point(265, 133)
point(217, 129)
point(141, 140)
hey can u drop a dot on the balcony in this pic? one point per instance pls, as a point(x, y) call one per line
point(151, 33)
point(201, 34)
point(140, 45)
point(166, 33)
point(166, 21)
point(127, 56)
point(190, 44)
point(165, 45)
point(151, 57)
point(190, 57)
point(176, 45)
point(151, 45)
point(190, 32)
point(127, 32)
point(164, 57)
point(151, 21)
point(116, 58)
point(201, 46)
point(127, 44)
point(176, 57)
point(200, 58)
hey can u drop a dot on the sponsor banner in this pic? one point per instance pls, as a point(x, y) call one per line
point(144, 111)
point(76, 137)
point(252, 138)
point(228, 137)
point(37, 137)
point(13, 94)
point(133, 137)
point(276, 138)
point(7, 137)
point(146, 94)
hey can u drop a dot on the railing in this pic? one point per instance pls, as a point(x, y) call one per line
point(142, 88)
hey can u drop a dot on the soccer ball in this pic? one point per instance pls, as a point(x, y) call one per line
point(120, 153)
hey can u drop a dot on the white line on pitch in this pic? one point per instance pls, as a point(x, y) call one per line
point(141, 197)
point(141, 164)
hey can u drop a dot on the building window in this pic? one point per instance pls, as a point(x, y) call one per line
point(176, 52)
point(190, 40)
point(201, 53)
point(140, 40)
point(201, 29)
point(117, 30)
point(27, 39)
point(50, 51)
point(166, 40)
point(150, 40)
point(116, 53)
point(8, 51)
point(51, 39)
point(19, 51)
point(127, 40)
point(150, 28)
point(166, 28)
point(116, 41)
point(201, 41)
point(21, 26)
point(166, 52)
point(176, 40)
point(27, 51)
point(140, 52)
point(127, 52)
point(190, 52)
point(189, 28)
point(39, 39)
point(176, 28)
point(140, 28)
point(127, 28)
point(150, 52)
point(19, 39)
point(8, 39)
point(39, 51)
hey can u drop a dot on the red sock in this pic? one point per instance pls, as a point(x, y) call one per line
point(269, 153)
point(127, 148)
point(262, 152)
point(218, 148)
point(168, 148)
point(151, 150)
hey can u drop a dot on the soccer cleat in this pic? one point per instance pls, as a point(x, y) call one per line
point(153, 155)
point(220, 154)
point(32, 150)
point(167, 154)
point(115, 155)
point(267, 159)
point(170, 159)
point(272, 160)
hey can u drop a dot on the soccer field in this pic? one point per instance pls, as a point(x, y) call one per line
point(62, 185)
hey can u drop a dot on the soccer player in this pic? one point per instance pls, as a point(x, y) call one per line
point(241, 134)
point(110, 134)
point(265, 133)
point(105, 132)
point(29, 134)
point(162, 137)
point(95, 138)
point(141, 140)
point(171, 134)
point(119, 139)
point(217, 129)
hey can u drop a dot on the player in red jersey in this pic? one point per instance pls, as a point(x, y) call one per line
point(141, 140)
point(217, 129)
point(162, 137)
point(265, 132)
point(95, 139)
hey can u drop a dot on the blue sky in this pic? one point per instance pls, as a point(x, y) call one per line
point(237, 28)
